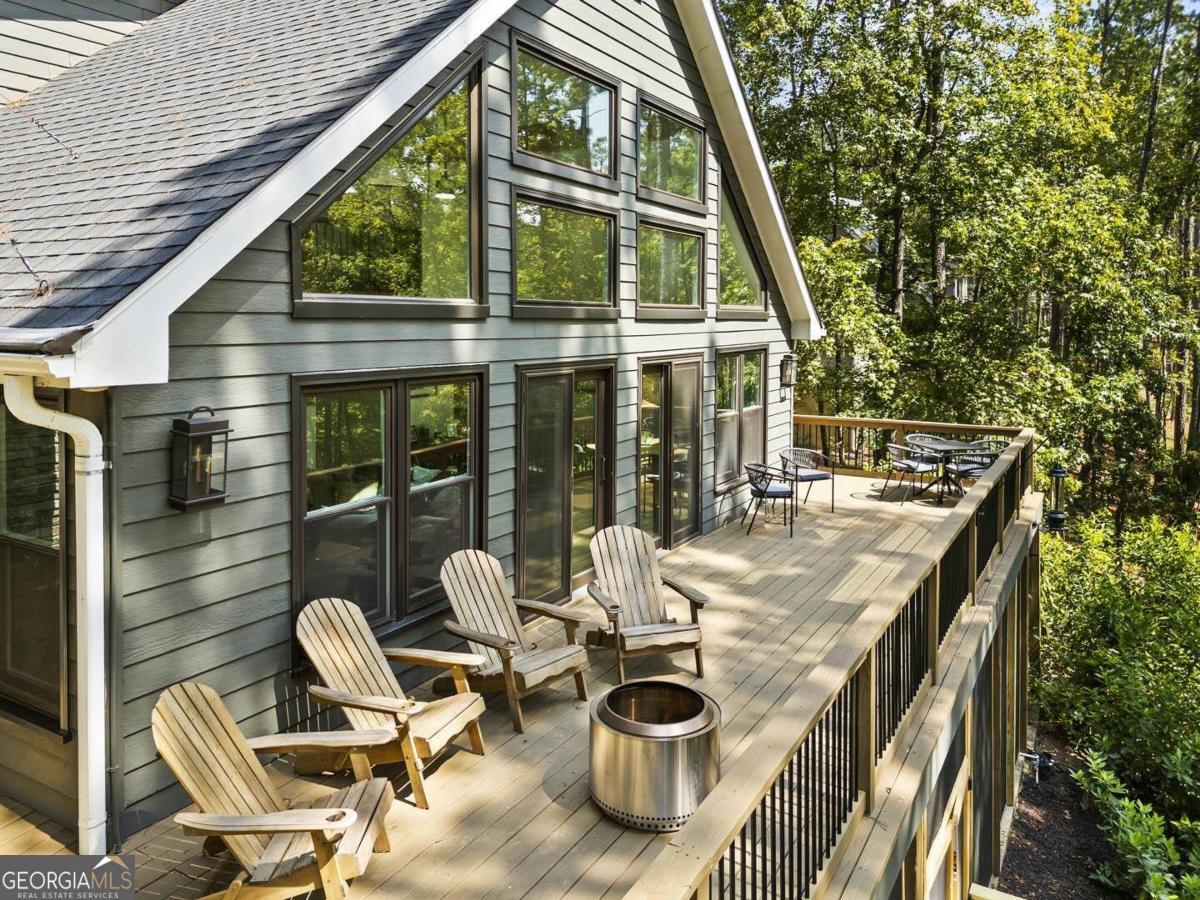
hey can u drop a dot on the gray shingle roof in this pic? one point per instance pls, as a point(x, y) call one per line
point(115, 166)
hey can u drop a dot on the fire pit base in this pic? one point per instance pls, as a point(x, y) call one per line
point(655, 753)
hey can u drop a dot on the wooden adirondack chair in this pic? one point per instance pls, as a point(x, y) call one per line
point(489, 620)
point(629, 588)
point(335, 636)
point(283, 851)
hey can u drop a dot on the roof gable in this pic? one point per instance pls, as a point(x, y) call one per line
point(132, 179)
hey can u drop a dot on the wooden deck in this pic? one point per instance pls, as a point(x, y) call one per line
point(518, 822)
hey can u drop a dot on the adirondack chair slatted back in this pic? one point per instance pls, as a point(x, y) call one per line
point(202, 745)
point(338, 641)
point(627, 568)
point(481, 599)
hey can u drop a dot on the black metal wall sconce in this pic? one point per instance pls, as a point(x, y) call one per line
point(199, 457)
point(787, 372)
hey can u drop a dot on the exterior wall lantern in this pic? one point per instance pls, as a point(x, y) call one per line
point(1056, 519)
point(199, 452)
point(787, 371)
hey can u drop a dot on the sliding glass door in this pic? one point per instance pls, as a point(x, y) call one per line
point(669, 450)
point(564, 476)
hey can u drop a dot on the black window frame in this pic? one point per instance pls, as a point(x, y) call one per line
point(12, 708)
point(723, 481)
point(373, 306)
point(611, 181)
point(558, 309)
point(397, 382)
point(657, 195)
point(668, 312)
point(729, 188)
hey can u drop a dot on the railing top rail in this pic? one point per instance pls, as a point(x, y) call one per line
point(684, 863)
point(905, 424)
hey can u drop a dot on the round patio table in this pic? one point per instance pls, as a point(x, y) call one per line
point(945, 449)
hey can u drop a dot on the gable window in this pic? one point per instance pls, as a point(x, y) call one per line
point(403, 225)
point(670, 262)
point(671, 157)
point(565, 117)
point(741, 281)
point(741, 422)
point(389, 489)
point(564, 258)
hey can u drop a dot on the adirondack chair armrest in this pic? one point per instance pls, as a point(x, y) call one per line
point(439, 659)
point(288, 821)
point(401, 709)
point(501, 645)
point(347, 740)
point(610, 606)
point(553, 611)
point(697, 600)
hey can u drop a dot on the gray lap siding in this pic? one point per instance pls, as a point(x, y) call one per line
point(207, 594)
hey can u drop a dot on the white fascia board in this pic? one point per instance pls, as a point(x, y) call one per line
point(703, 28)
point(129, 344)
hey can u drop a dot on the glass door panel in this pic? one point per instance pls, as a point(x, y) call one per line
point(650, 451)
point(588, 404)
point(685, 450)
point(544, 568)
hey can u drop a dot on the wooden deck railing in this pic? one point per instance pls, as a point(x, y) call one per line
point(774, 822)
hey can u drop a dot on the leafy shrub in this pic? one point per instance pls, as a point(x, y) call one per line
point(1121, 654)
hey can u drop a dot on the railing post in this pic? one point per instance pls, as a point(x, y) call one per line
point(934, 619)
point(972, 550)
point(1001, 524)
point(865, 689)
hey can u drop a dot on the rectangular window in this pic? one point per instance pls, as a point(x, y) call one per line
point(405, 228)
point(563, 116)
point(669, 267)
point(564, 255)
point(741, 284)
point(361, 538)
point(670, 155)
point(32, 605)
point(741, 415)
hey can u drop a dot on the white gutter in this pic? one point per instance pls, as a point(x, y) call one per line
point(88, 447)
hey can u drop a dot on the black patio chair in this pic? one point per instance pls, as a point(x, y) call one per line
point(803, 466)
point(910, 463)
point(765, 484)
point(973, 463)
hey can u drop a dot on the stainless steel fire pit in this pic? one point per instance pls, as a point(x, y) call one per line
point(655, 753)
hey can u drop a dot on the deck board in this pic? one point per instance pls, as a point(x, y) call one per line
point(518, 822)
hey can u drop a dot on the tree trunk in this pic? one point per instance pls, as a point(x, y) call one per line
point(899, 250)
point(935, 85)
point(1106, 17)
point(1155, 89)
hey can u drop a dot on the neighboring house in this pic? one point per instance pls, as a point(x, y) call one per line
point(484, 273)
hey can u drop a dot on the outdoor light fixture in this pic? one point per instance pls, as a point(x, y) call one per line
point(787, 370)
point(1056, 519)
point(198, 458)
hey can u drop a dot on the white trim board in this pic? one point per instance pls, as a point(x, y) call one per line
point(102, 358)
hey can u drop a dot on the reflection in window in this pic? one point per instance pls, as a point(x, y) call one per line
point(741, 284)
point(563, 255)
point(740, 413)
point(346, 523)
point(670, 154)
point(31, 600)
point(668, 267)
point(441, 482)
point(404, 228)
point(563, 116)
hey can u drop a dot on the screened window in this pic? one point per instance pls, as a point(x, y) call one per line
point(741, 420)
point(668, 267)
point(670, 154)
point(741, 283)
point(563, 255)
point(404, 227)
point(389, 490)
point(562, 115)
point(31, 595)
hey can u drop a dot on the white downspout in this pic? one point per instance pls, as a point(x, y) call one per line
point(88, 448)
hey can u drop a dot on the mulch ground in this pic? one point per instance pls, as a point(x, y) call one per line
point(1056, 840)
